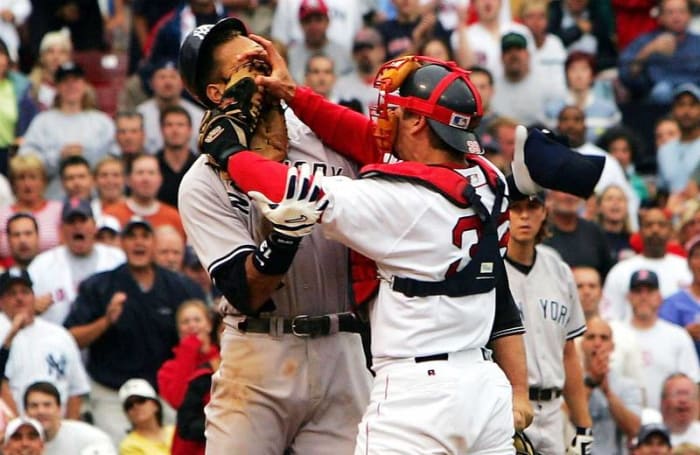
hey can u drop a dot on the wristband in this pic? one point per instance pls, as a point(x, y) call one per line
point(589, 382)
point(275, 254)
point(583, 431)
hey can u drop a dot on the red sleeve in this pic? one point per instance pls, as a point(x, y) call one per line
point(344, 130)
point(252, 172)
point(174, 374)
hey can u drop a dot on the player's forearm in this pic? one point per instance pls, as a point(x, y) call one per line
point(347, 132)
point(260, 285)
point(6, 396)
point(574, 388)
point(509, 354)
point(627, 420)
point(86, 334)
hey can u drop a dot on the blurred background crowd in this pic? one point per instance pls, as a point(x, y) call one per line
point(108, 323)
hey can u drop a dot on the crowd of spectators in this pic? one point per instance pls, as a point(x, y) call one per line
point(96, 133)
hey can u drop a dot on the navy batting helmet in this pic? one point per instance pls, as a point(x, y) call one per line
point(196, 48)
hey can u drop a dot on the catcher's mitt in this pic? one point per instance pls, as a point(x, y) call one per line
point(522, 444)
point(245, 119)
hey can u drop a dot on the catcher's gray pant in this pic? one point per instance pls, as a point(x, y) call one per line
point(272, 393)
point(547, 429)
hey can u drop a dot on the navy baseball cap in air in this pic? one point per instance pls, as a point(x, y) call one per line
point(76, 207)
point(14, 275)
point(650, 429)
point(644, 278)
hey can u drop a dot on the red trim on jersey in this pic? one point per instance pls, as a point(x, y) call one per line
point(347, 132)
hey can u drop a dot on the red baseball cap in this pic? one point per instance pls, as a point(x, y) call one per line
point(309, 7)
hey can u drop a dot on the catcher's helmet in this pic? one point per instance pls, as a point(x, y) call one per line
point(194, 50)
point(433, 83)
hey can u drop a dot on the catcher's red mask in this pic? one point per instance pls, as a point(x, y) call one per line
point(389, 79)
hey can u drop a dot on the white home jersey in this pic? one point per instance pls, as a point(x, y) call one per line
point(551, 312)
point(414, 232)
point(666, 349)
point(59, 273)
point(317, 281)
point(673, 275)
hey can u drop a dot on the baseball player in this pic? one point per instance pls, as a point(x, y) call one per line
point(545, 291)
point(436, 390)
point(293, 371)
point(286, 380)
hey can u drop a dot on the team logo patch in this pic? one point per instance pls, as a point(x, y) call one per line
point(473, 147)
point(486, 267)
point(459, 121)
point(213, 134)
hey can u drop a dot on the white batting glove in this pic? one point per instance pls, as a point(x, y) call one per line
point(582, 444)
point(297, 213)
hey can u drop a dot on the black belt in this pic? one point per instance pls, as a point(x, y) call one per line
point(485, 354)
point(537, 394)
point(303, 326)
point(430, 358)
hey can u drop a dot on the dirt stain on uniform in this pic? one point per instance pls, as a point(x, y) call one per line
point(289, 367)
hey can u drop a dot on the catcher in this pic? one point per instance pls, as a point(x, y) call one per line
point(293, 372)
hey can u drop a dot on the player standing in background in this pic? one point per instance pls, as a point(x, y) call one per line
point(436, 389)
point(274, 389)
point(545, 291)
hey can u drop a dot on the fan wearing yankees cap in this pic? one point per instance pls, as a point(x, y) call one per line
point(40, 351)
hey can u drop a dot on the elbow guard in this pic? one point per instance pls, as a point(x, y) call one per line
point(231, 280)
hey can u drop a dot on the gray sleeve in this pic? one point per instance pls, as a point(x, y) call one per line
point(215, 217)
point(576, 325)
point(631, 395)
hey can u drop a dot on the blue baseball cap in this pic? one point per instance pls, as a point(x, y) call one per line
point(644, 278)
point(76, 207)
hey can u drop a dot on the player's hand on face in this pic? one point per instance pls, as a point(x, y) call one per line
point(20, 321)
point(297, 213)
point(115, 307)
point(599, 365)
point(42, 303)
point(279, 84)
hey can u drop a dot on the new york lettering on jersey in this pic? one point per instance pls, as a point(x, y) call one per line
point(558, 312)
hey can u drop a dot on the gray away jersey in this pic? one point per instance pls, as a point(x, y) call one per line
point(221, 223)
point(552, 314)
